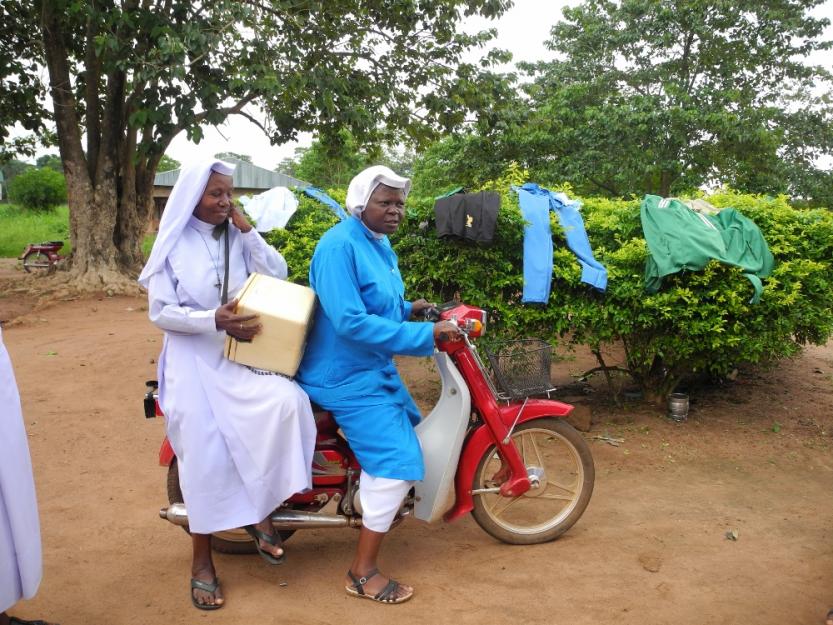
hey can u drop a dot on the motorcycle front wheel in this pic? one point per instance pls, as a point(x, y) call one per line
point(234, 541)
point(559, 460)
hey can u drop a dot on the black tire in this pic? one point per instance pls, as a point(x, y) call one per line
point(555, 451)
point(37, 262)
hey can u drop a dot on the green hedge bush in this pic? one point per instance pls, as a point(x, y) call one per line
point(699, 323)
point(297, 242)
point(38, 189)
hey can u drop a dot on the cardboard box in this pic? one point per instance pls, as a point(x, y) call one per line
point(286, 314)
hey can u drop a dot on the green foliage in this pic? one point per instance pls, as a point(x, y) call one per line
point(133, 75)
point(297, 242)
point(332, 161)
point(21, 90)
point(13, 167)
point(166, 163)
point(52, 161)
point(699, 323)
point(38, 189)
point(147, 245)
point(454, 161)
point(19, 227)
point(660, 96)
point(725, 82)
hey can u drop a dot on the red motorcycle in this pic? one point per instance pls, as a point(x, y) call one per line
point(42, 257)
point(524, 473)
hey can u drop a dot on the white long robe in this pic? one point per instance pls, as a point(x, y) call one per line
point(20, 545)
point(243, 441)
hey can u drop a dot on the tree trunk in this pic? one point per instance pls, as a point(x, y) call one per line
point(109, 191)
point(665, 180)
point(106, 231)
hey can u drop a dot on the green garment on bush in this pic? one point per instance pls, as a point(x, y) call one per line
point(681, 238)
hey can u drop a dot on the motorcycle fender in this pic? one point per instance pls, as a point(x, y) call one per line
point(481, 439)
point(166, 454)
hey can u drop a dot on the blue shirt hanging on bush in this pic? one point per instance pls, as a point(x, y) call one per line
point(536, 203)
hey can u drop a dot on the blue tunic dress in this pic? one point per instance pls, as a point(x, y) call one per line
point(360, 323)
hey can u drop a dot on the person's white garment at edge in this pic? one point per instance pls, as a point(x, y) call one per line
point(20, 544)
point(243, 441)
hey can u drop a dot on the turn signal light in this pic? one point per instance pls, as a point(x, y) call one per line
point(474, 327)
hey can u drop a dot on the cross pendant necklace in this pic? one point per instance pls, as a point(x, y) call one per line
point(219, 282)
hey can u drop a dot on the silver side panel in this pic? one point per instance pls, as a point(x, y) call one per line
point(441, 435)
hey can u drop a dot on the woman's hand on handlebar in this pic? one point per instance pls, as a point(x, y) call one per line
point(242, 327)
point(447, 331)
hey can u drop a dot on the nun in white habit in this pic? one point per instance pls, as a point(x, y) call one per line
point(243, 438)
point(20, 546)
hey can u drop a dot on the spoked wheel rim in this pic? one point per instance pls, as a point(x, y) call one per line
point(37, 262)
point(551, 460)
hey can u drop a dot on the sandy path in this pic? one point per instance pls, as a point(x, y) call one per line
point(650, 549)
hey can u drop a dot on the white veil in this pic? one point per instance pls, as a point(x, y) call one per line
point(184, 198)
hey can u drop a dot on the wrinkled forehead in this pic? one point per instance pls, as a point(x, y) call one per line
point(387, 192)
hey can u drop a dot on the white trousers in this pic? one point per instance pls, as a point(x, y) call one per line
point(381, 498)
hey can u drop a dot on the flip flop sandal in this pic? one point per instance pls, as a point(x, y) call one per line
point(388, 594)
point(271, 539)
point(207, 587)
point(13, 620)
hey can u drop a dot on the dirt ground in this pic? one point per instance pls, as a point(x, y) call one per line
point(753, 458)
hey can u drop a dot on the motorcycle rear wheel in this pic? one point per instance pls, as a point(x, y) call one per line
point(37, 262)
point(235, 541)
point(555, 452)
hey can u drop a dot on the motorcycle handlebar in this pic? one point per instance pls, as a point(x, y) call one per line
point(431, 314)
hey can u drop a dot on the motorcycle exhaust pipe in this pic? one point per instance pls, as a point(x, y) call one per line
point(281, 519)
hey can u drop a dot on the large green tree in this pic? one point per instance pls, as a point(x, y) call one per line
point(664, 95)
point(124, 78)
point(332, 160)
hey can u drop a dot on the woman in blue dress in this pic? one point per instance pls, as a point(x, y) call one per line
point(362, 321)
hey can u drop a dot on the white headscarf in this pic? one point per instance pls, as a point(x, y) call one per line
point(364, 183)
point(184, 198)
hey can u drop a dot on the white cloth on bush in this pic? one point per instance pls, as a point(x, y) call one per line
point(271, 209)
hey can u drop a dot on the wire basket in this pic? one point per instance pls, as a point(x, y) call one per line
point(521, 368)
